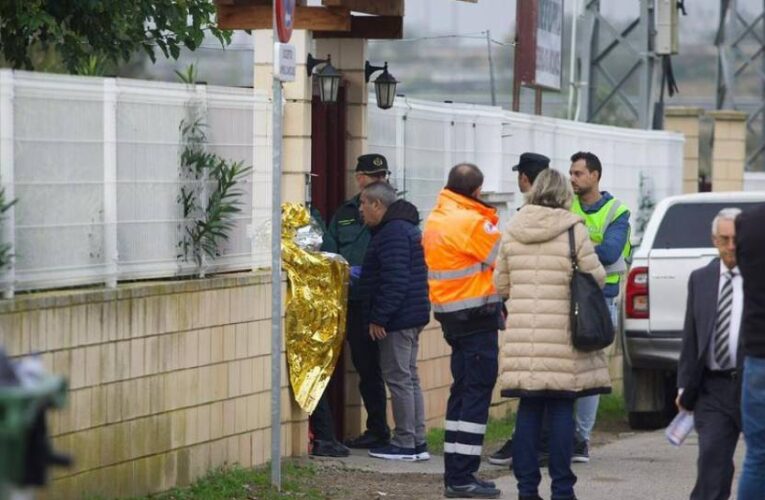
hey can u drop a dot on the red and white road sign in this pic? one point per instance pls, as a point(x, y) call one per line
point(284, 18)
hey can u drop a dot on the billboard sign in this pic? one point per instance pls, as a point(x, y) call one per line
point(540, 43)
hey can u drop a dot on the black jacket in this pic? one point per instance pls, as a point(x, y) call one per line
point(750, 256)
point(394, 277)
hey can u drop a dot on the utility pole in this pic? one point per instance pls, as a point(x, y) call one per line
point(491, 69)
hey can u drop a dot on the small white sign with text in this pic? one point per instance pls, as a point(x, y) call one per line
point(284, 62)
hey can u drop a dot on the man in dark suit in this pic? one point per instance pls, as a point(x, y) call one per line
point(709, 367)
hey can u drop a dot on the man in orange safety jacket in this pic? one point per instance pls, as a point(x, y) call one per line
point(461, 242)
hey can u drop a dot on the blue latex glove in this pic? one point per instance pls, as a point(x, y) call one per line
point(355, 272)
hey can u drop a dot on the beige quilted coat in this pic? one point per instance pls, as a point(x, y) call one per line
point(534, 270)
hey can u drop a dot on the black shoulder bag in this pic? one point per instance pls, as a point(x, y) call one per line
point(591, 327)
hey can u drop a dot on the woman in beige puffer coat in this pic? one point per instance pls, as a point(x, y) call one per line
point(538, 362)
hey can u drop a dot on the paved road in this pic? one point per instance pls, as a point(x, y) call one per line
point(642, 466)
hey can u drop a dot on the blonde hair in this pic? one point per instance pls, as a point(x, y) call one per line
point(550, 189)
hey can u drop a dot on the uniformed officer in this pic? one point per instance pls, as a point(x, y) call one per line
point(461, 242)
point(608, 221)
point(348, 236)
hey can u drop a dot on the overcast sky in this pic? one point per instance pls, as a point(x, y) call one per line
point(449, 16)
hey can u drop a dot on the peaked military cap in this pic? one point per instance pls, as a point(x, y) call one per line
point(372, 164)
point(532, 162)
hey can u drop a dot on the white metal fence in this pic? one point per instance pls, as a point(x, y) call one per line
point(423, 140)
point(94, 164)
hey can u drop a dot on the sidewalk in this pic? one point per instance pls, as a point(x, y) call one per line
point(637, 467)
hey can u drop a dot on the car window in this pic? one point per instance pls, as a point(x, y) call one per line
point(689, 225)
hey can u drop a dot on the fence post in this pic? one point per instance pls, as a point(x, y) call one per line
point(401, 151)
point(8, 277)
point(448, 144)
point(111, 257)
point(200, 96)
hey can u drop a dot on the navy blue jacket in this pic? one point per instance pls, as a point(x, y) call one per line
point(394, 277)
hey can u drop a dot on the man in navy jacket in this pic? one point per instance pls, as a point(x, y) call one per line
point(394, 294)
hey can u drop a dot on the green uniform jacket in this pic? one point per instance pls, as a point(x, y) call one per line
point(348, 236)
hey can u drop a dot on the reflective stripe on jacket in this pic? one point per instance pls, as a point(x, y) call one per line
point(461, 243)
point(597, 223)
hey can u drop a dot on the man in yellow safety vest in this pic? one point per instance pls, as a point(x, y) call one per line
point(608, 221)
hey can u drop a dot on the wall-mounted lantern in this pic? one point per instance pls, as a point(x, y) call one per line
point(328, 78)
point(385, 85)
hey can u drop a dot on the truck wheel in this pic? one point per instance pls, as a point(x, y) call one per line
point(646, 421)
point(648, 396)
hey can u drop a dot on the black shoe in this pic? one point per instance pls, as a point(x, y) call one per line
point(367, 441)
point(471, 490)
point(393, 452)
point(329, 449)
point(504, 456)
point(485, 483)
point(581, 453)
point(535, 497)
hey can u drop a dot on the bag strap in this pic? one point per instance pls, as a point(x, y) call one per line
point(572, 249)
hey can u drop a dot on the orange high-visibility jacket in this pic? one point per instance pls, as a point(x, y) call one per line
point(461, 242)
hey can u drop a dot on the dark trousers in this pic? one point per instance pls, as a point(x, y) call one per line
point(365, 355)
point(321, 421)
point(528, 428)
point(474, 365)
point(717, 419)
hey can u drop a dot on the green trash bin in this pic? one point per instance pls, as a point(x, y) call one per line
point(18, 408)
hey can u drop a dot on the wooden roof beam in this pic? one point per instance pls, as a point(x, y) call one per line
point(257, 17)
point(376, 7)
point(369, 27)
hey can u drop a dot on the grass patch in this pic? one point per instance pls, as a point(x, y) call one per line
point(237, 483)
point(435, 439)
point(611, 411)
point(498, 430)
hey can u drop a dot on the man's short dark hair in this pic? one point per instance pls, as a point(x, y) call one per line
point(591, 161)
point(533, 172)
point(464, 179)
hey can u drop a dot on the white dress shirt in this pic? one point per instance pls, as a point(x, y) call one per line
point(737, 309)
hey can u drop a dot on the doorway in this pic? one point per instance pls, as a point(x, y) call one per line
point(327, 194)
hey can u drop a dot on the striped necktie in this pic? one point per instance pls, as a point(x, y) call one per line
point(722, 325)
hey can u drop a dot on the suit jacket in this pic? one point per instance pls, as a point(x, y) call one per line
point(700, 317)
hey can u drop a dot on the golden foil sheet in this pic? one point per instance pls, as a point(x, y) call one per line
point(317, 298)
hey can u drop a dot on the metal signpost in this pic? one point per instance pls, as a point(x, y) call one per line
point(284, 11)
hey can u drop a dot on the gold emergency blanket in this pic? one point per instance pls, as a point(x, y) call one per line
point(317, 298)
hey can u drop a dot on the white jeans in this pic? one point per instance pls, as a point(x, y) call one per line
point(587, 407)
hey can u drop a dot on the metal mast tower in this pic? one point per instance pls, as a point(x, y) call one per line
point(601, 88)
point(740, 45)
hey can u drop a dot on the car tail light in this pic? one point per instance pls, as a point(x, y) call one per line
point(637, 306)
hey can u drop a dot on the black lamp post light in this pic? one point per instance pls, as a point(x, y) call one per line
point(385, 85)
point(328, 78)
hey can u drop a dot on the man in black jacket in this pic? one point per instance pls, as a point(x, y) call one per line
point(394, 292)
point(750, 250)
point(709, 365)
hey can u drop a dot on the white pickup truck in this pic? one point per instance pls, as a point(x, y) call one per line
point(677, 240)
